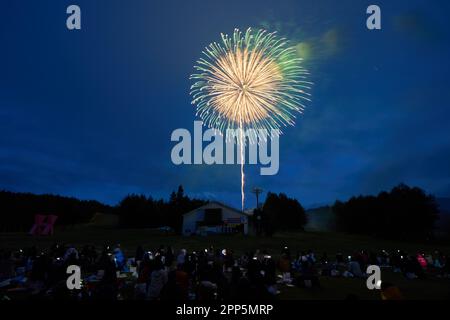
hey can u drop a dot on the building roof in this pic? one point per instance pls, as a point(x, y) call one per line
point(220, 204)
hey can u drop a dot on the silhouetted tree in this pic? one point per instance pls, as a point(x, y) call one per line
point(137, 211)
point(179, 204)
point(402, 213)
point(282, 213)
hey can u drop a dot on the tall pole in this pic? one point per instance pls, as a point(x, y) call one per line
point(257, 191)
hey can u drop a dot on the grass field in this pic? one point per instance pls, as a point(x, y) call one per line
point(332, 243)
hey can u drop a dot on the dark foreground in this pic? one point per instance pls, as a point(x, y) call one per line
point(313, 266)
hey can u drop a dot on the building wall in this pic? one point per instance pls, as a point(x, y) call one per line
point(190, 220)
point(230, 214)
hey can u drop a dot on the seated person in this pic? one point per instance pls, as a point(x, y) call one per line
point(355, 268)
point(308, 277)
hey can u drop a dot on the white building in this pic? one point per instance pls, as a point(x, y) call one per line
point(215, 217)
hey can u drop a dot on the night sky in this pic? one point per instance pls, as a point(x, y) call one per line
point(89, 113)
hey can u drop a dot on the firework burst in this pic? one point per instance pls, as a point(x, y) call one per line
point(252, 80)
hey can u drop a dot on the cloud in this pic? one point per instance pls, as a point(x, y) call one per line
point(417, 26)
point(322, 47)
point(313, 47)
point(331, 42)
point(304, 50)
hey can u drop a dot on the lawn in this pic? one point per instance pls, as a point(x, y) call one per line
point(332, 243)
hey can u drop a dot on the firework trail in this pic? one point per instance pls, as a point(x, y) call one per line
point(252, 80)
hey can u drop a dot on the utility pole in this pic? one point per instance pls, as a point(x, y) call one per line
point(257, 191)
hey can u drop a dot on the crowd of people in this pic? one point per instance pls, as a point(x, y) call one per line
point(210, 274)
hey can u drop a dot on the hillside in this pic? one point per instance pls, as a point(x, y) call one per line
point(321, 219)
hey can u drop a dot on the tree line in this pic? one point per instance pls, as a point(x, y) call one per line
point(279, 213)
point(402, 213)
point(134, 211)
point(18, 209)
point(137, 211)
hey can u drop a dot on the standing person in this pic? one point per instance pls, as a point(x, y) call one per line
point(182, 281)
point(158, 279)
point(144, 271)
point(139, 256)
point(181, 258)
point(170, 256)
point(284, 264)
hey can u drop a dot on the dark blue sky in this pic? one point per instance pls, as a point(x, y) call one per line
point(89, 113)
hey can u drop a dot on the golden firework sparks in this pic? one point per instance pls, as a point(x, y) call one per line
point(252, 80)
